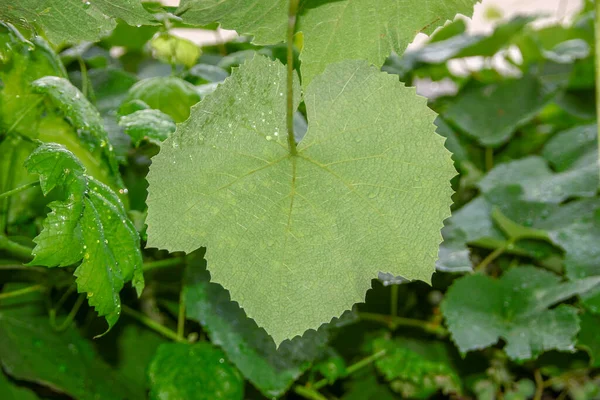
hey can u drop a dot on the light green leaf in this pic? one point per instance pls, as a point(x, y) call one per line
point(171, 95)
point(367, 191)
point(246, 345)
point(75, 20)
point(330, 29)
point(151, 125)
point(480, 310)
point(265, 20)
point(32, 350)
point(199, 372)
point(175, 50)
point(89, 224)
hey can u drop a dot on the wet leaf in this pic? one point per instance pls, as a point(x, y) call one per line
point(88, 224)
point(226, 180)
point(198, 371)
point(153, 126)
point(480, 310)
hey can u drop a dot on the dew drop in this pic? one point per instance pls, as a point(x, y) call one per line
point(90, 294)
point(372, 195)
point(221, 360)
point(269, 138)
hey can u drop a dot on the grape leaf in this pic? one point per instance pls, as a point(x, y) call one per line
point(367, 192)
point(246, 345)
point(330, 27)
point(479, 310)
point(76, 20)
point(151, 125)
point(199, 371)
point(89, 224)
point(265, 20)
point(32, 350)
point(171, 95)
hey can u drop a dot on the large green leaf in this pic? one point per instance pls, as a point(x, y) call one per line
point(75, 20)
point(330, 27)
point(480, 310)
point(298, 238)
point(32, 350)
point(588, 337)
point(246, 345)
point(88, 224)
point(199, 371)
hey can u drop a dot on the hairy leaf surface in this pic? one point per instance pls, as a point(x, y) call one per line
point(297, 239)
point(90, 225)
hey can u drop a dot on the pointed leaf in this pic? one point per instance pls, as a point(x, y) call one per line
point(367, 192)
point(89, 224)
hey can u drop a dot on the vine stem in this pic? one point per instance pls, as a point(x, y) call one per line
point(289, 116)
point(169, 262)
point(312, 392)
point(394, 322)
point(597, 40)
point(150, 323)
point(21, 292)
point(19, 189)
point(16, 249)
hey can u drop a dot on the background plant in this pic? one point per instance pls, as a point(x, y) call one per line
point(513, 309)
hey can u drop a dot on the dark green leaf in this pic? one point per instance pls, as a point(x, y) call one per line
point(198, 371)
point(479, 310)
point(153, 126)
point(588, 337)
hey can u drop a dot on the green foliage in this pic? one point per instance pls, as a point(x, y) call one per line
point(480, 310)
point(296, 234)
point(75, 20)
point(199, 371)
point(241, 166)
point(90, 225)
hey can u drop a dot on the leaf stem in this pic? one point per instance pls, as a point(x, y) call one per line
point(166, 263)
point(394, 300)
point(489, 158)
point(21, 292)
point(150, 323)
point(597, 40)
point(308, 393)
point(292, 15)
point(67, 322)
point(393, 322)
point(181, 315)
point(492, 256)
point(19, 189)
point(16, 249)
point(539, 385)
point(12, 267)
point(354, 367)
